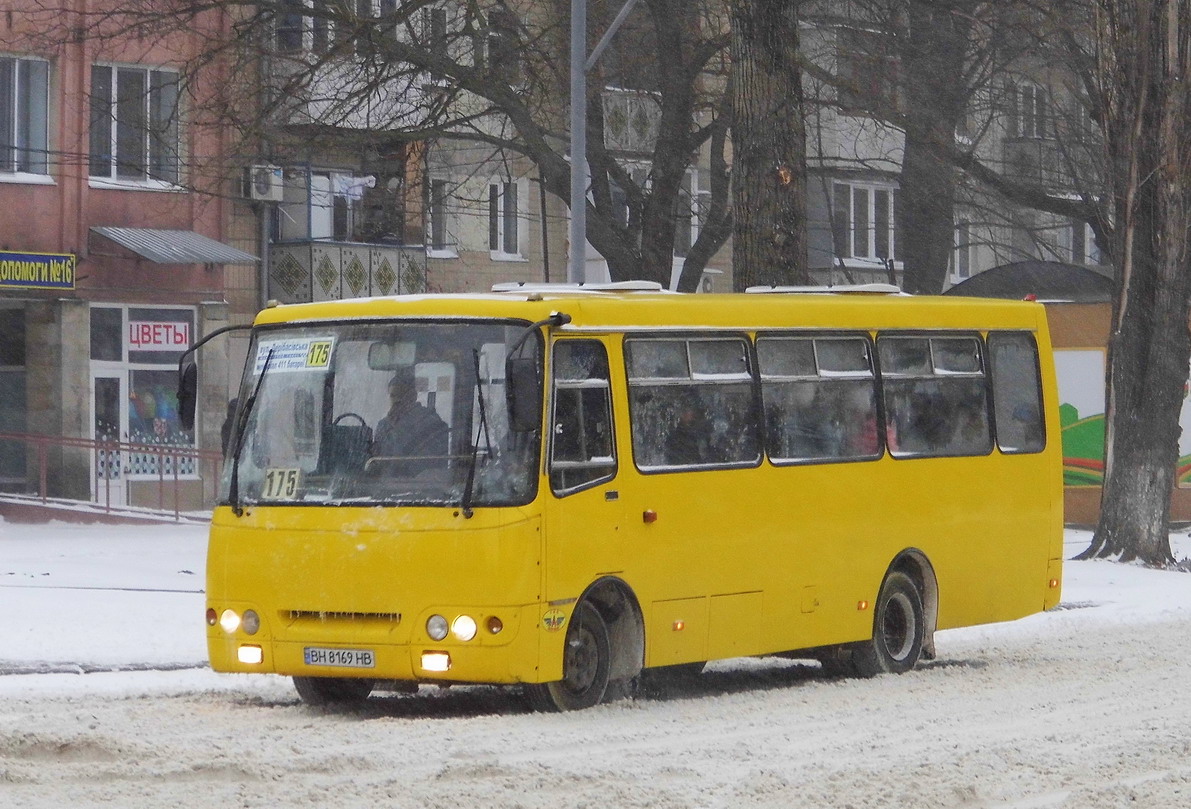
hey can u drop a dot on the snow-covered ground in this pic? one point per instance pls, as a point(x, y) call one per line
point(105, 700)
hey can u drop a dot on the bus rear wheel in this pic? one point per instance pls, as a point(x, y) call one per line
point(898, 630)
point(585, 665)
point(333, 691)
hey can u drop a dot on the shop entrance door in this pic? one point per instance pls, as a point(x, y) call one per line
point(109, 406)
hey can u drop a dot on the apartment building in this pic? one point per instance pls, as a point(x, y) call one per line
point(114, 242)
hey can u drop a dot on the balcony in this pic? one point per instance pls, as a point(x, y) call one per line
point(631, 120)
point(320, 270)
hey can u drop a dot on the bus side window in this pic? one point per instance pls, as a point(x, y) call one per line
point(581, 447)
point(935, 395)
point(820, 398)
point(1017, 392)
point(691, 402)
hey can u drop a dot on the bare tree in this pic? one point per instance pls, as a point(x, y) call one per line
point(1144, 75)
point(374, 73)
point(769, 145)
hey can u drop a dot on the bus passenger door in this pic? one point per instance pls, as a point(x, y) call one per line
point(583, 519)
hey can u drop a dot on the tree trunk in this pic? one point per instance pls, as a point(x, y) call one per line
point(1147, 70)
point(935, 97)
point(769, 146)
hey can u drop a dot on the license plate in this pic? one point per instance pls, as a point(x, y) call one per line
point(340, 658)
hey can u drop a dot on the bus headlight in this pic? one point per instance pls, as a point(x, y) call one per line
point(436, 627)
point(229, 621)
point(464, 627)
point(251, 622)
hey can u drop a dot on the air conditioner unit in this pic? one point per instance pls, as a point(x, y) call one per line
point(265, 183)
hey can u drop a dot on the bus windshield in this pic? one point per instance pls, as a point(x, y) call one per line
point(381, 413)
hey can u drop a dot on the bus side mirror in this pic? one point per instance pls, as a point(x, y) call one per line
point(187, 395)
point(524, 394)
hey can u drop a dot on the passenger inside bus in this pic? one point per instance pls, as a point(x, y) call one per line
point(687, 443)
point(410, 432)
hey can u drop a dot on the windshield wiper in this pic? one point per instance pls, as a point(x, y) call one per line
point(233, 491)
point(468, 488)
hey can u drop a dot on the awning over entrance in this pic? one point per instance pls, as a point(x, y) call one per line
point(175, 246)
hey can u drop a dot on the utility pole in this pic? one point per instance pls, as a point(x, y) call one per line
point(580, 64)
point(576, 268)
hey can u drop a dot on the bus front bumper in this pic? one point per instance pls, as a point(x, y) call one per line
point(510, 655)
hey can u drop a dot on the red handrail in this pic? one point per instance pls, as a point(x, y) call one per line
point(41, 444)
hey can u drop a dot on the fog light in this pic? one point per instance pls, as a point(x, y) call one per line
point(494, 624)
point(250, 655)
point(212, 616)
point(464, 627)
point(436, 627)
point(436, 661)
point(252, 622)
point(229, 621)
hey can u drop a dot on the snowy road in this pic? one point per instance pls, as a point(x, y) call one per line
point(1081, 708)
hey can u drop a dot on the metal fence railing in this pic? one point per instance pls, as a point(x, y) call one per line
point(117, 474)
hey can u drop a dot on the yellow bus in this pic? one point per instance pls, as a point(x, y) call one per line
point(558, 487)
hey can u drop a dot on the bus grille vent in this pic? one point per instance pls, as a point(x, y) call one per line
point(315, 615)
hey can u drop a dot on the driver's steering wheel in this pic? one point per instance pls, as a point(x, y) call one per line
point(357, 416)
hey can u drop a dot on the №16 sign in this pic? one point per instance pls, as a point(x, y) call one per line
point(37, 270)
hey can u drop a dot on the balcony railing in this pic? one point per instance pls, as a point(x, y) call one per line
point(318, 270)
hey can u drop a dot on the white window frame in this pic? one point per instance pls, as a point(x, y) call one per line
point(851, 229)
point(1091, 250)
point(697, 199)
point(962, 258)
point(112, 178)
point(25, 157)
point(505, 230)
point(439, 216)
point(1032, 110)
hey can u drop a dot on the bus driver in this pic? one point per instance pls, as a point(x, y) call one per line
point(409, 429)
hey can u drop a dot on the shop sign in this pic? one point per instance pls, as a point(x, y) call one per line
point(158, 335)
point(37, 270)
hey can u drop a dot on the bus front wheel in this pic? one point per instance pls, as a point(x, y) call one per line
point(585, 665)
point(898, 630)
point(332, 691)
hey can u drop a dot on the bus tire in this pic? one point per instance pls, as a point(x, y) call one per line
point(898, 630)
point(333, 691)
point(586, 660)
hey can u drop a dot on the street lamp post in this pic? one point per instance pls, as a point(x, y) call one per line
point(580, 64)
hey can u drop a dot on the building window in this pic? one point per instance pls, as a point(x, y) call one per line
point(137, 350)
point(134, 124)
point(320, 27)
point(289, 25)
point(434, 31)
point(689, 208)
point(869, 71)
point(438, 238)
point(24, 127)
point(504, 46)
point(1082, 247)
point(962, 259)
point(863, 221)
point(13, 409)
point(1027, 108)
point(503, 219)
